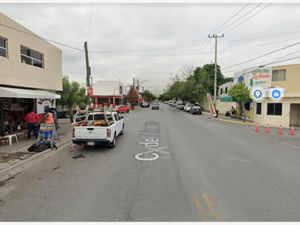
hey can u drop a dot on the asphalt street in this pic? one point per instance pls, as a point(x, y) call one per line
point(194, 169)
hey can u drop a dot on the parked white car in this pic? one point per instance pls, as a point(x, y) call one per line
point(187, 107)
point(99, 128)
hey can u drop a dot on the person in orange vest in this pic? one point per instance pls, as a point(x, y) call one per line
point(49, 118)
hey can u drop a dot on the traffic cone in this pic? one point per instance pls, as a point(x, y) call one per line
point(267, 129)
point(257, 128)
point(292, 131)
point(279, 130)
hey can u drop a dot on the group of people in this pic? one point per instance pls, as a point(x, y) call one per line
point(33, 120)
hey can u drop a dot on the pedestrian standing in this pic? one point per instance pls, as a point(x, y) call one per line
point(32, 119)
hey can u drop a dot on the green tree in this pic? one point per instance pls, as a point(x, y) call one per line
point(148, 96)
point(72, 96)
point(133, 97)
point(240, 93)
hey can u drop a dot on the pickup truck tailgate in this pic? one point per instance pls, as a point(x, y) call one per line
point(92, 133)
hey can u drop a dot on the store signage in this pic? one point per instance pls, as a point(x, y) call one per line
point(257, 94)
point(276, 94)
point(41, 103)
point(90, 91)
point(262, 77)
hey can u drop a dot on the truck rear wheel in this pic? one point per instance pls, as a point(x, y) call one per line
point(113, 143)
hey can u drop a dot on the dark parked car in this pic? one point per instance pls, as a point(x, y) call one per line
point(195, 109)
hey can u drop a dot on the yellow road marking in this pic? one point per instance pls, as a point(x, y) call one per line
point(237, 122)
point(199, 209)
point(210, 207)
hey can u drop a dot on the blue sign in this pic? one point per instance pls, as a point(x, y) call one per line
point(257, 94)
point(276, 94)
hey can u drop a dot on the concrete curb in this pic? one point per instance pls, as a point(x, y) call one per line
point(237, 122)
point(20, 166)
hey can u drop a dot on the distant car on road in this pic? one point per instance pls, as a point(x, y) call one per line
point(155, 105)
point(180, 105)
point(187, 107)
point(122, 109)
point(195, 109)
point(145, 104)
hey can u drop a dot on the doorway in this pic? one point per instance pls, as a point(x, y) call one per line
point(295, 115)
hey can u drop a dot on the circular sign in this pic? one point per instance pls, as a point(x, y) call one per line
point(257, 94)
point(90, 91)
point(276, 94)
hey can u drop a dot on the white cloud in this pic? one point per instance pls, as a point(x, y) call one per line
point(171, 33)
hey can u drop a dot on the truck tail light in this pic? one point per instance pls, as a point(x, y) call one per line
point(108, 133)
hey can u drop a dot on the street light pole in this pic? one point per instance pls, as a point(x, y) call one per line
point(215, 36)
point(88, 70)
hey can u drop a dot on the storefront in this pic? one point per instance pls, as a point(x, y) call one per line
point(15, 103)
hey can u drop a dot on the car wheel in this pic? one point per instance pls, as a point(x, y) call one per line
point(113, 143)
point(122, 132)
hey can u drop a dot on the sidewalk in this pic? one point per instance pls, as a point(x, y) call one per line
point(228, 119)
point(17, 154)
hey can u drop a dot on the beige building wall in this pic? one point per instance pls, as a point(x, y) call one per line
point(292, 82)
point(224, 106)
point(15, 73)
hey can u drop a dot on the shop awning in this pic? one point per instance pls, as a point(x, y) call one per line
point(6, 92)
point(226, 99)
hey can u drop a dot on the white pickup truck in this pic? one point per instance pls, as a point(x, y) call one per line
point(99, 128)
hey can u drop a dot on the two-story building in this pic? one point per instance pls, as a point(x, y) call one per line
point(30, 70)
point(268, 112)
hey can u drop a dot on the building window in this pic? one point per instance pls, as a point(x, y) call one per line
point(258, 108)
point(32, 57)
point(278, 75)
point(120, 90)
point(3, 47)
point(225, 90)
point(221, 90)
point(274, 109)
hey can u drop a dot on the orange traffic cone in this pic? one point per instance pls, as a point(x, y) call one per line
point(279, 130)
point(267, 129)
point(292, 131)
point(257, 128)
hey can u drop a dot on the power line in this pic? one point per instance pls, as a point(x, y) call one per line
point(248, 18)
point(240, 17)
point(269, 53)
point(240, 10)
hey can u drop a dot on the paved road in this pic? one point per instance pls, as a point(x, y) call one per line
point(207, 171)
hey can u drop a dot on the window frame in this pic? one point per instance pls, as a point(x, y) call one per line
point(274, 113)
point(5, 48)
point(258, 109)
point(32, 59)
point(279, 74)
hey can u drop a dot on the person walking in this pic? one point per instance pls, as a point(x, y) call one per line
point(32, 119)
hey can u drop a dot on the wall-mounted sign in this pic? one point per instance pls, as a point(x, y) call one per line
point(262, 77)
point(257, 94)
point(41, 103)
point(276, 94)
point(90, 91)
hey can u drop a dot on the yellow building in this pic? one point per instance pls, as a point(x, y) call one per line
point(286, 112)
point(31, 68)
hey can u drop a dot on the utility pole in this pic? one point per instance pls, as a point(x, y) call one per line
point(88, 70)
point(215, 36)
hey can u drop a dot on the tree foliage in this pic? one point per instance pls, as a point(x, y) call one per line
point(240, 93)
point(148, 96)
point(193, 87)
point(133, 96)
point(72, 96)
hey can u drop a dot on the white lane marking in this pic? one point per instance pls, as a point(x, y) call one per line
point(153, 153)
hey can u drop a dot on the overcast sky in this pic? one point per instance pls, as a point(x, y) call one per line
point(150, 41)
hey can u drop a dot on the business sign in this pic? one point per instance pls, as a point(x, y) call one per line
point(262, 77)
point(276, 94)
point(90, 91)
point(257, 94)
point(41, 103)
